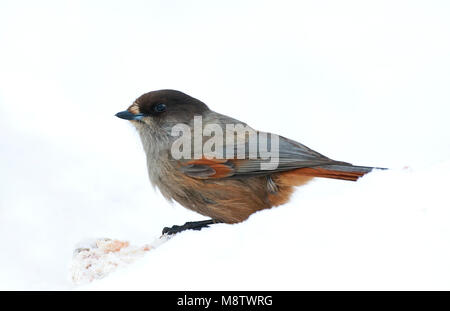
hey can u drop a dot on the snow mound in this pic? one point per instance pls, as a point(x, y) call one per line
point(95, 259)
point(390, 230)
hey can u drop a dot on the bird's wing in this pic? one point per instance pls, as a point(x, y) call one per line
point(281, 154)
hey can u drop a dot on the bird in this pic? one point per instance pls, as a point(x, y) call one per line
point(230, 188)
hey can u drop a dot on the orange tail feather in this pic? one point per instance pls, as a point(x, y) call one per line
point(335, 171)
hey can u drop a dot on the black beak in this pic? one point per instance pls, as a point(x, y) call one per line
point(129, 116)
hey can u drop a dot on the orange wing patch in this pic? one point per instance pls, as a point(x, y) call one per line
point(221, 166)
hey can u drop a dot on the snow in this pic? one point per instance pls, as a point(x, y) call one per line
point(357, 81)
point(369, 235)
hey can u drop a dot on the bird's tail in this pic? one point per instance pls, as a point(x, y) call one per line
point(337, 171)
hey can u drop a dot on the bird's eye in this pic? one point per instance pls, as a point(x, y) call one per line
point(159, 108)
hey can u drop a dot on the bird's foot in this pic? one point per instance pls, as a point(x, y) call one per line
point(192, 225)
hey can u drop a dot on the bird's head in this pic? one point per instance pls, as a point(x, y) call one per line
point(162, 109)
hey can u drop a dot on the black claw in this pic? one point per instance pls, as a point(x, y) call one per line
point(166, 230)
point(192, 225)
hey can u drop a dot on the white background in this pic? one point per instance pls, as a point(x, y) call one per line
point(365, 82)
